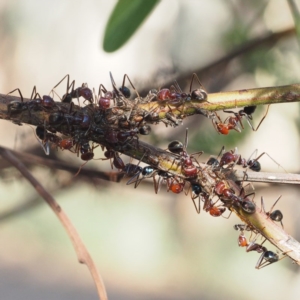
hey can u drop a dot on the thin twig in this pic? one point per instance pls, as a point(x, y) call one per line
point(28, 158)
point(214, 102)
point(217, 67)
point(80, 249)
point(266, 177)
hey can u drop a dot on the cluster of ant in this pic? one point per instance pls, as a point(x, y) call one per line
point(117, 120)
point(112, 115)
point(267, 256)
point(216, 196)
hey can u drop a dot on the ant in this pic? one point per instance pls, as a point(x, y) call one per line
point(132, 169)
point(209, 206)
point(231, 158)
point(104, 101)
point(241, 227)
point(275, 215)
point(228, 197)
point(46, 137)
point(187, 165)
point(117, 161)
point(41, 133)
point(212, 161)
point(163, 176)
point(145, 172)
point(35, 101)
point(114, 136)
point(267, 257)
point(82, 91)
point(145, 130)
point(177, 97)
point(199, 94)
point(125, 92)
point(120, 97)
point(235, 123)
point(197, 192)
point(175, 184)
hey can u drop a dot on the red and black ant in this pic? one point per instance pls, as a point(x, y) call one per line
point(208, 206)
point(231, 158)
point(120, 136)
point(175, 96)
point(267, 257)
point(235, 123)
point(72, 93)
point(175, 184)
point(228, 197)
point(187, 165)
point(46, 137)
point(36, 101)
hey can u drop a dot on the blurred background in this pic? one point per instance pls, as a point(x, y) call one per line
point(146, 246)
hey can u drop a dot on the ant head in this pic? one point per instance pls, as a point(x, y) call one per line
point(175, 147)
point(249, 110)
point(197, 94)
point(125, 91)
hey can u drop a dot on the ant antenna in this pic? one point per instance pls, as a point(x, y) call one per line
point(114, 84)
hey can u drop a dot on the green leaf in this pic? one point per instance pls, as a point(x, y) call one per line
point(125, 19)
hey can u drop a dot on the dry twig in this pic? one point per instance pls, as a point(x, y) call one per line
point(80, 249)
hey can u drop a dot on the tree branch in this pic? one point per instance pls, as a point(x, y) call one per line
point(80, 249)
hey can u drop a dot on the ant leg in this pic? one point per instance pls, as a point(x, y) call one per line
point(270, 257)
point(222, 151)
point(186, 139)
point(201, 90)
point(101, 89)
point(256, 159)
point(136, 173)
point(20, 94)
point(243, 193)
point(275, 203)
point(68, 80)
point(260, 120)
point(15, 103)
point(262, 205)
point(67, 97)
point(53, 89)
point(157, 184)
point(195, 76)
point(124, 78)
point(35, 94)
point(275, 215)
point(227, 216)
point(177, 87)
point(219, 126)
point(114, 84)
point(43, 143)
point(79, 170)
point(198, 208)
